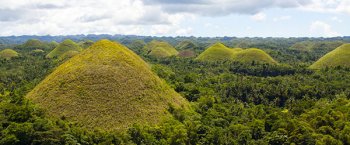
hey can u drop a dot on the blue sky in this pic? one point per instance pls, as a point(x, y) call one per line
point(248, 18)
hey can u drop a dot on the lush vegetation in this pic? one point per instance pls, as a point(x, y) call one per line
point(231, 102)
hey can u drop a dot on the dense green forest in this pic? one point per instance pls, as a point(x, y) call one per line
point(233, 102)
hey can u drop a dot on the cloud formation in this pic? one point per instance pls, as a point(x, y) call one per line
point(223, 7)
point(320, 28)
point(142, 17)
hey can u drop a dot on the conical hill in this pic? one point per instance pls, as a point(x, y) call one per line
point(106, 86)
point(338, 57)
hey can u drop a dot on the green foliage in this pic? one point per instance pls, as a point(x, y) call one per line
point(232, 102)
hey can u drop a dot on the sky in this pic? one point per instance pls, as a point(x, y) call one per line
point(205, 18)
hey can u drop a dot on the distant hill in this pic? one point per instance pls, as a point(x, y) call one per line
point(137, 46)
point(86, 43)
point(106, 86)
point(309, 46)
point(187, 53)
point(253, 54)
point(62, 48)
point(33, 44)
point(160, 49)
point(338, 57)
point(8, 54)
point(186, 44)
point(217, 52)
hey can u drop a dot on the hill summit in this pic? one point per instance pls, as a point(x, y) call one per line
point(64, 47)
point(338, 57)
point(160, 49)
point(106, 86)
point(8, 54)
point(219, 52)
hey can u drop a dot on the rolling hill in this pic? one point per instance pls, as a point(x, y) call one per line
point(315, 46)
point(186, 44)
point(106, 86)
point(8, 54)
point(338, 57)
point(33, 44)
point(187, 53)
point(217, 52)
point(160, 49)
point(65, 46)
point(253, 54)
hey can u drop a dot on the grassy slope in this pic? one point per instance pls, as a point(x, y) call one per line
point(186, 44)
point(160, 49)
point(338, 57)
point(8, 54)
point(216, 52)
point(219, 52)
point(106, 86)
point(253, 54)
point(68, 54)
point(187, 53)
point(64, 47)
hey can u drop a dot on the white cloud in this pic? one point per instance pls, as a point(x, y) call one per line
point(184, 31)
point(259, 17)
point(319, 28)
point(328, 6)
point(142, 17)
point(281, 18)
point(336, 19)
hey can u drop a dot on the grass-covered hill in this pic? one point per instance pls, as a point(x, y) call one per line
point(33, 44)
point(253, 54)
point(312, 46)
point(62, 48)
point(219, 52)
point(106, 86)
point(216, 52)
point(187, 53)
point(86, 43)
point(160, 49)
point(137, 46)
point(338, 57)
point(186, 44)
point(8, 54)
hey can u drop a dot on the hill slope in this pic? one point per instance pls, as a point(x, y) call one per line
point(338, 57)
point(65, 46)
point(33, 44)
point(160, 49)
point(8, 54)
point(186, 44)
point(106, 86)
point(217, 52)
point(253, 54)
